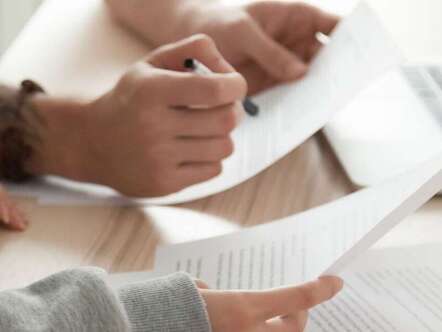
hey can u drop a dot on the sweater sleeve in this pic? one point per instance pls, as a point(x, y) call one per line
point(171, 304)
point(81, 300)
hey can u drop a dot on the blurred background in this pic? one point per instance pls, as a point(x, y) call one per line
point(13, 15)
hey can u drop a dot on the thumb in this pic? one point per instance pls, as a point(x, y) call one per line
point(272, 57)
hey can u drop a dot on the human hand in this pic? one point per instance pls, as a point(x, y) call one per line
point(10, 215)
point(277, 310)
point(151, 136)
point(268, 42)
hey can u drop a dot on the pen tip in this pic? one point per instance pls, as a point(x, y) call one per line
point(189, 63)
point(250, 107)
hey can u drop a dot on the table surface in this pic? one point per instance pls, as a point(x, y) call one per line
point(124, 239)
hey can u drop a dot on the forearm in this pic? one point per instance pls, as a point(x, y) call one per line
point(158, 22)
point(81, 300)
point(43, 135)
point(62, 145)
point(75, 300)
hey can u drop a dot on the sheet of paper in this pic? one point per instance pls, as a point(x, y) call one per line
point(388, 290)
point(302, 247)
point(360, 50)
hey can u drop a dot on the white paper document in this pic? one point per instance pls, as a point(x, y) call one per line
point(388, 290)
point(359, 51)
point(324, 240)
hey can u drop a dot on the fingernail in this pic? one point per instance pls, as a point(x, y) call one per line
point(296, 69)
point(338, 282)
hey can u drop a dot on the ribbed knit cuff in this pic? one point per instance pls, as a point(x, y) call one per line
point(171, 304)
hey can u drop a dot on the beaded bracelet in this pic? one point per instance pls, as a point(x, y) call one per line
point(16, 134)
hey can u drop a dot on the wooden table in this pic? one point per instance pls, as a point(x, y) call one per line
point(123, 239)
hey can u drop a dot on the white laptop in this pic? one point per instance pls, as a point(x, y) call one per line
point(397, 122)
point(392, 126)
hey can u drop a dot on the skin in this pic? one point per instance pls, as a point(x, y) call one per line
point(171, 129)
point(276, 310)
point(163, 139)
point(10, 215)
point(268, 42)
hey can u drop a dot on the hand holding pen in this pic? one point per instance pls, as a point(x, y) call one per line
point(161, 142)
point(197, 67)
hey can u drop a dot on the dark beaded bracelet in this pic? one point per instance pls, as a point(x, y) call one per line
point(16, 134)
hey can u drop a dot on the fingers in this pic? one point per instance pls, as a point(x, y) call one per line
point(188, 89)
point(201, 284)
point(194, 150)
point(257, 79)
point(10, 215)
point(273, 57)
point(193, 173)
point(302, 318)
point(325, 22)
point(219, 121)
point(200, 47)
point(284, 301)
point(294, 323)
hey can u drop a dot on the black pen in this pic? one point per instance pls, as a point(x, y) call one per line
point(249, 106)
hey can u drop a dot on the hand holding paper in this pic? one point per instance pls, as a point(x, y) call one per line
point(278, 310)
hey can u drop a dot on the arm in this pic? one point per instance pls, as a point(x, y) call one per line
point(268, 42)
point(81, 300)
point(143, 138)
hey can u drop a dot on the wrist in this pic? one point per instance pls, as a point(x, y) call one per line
point(60, 148)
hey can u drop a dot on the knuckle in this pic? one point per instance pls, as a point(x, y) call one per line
point(216, 170)
point(216, 89)
point(140, 86)
point(226, 148)
point(240, 23)
point(203, 41)
point(242, 86)
point(227, 122)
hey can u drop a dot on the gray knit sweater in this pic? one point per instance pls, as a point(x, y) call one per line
point(81, 300)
